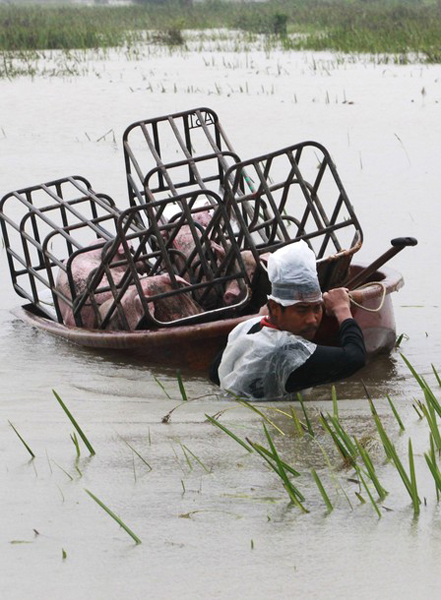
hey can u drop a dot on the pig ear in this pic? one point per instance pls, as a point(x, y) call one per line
point(120, 250)
point(180, 280)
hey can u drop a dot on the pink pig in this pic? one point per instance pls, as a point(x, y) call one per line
point(235, 290)
point(82, 268)
point(164, 310)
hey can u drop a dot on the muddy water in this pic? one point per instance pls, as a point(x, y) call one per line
point(226, 533)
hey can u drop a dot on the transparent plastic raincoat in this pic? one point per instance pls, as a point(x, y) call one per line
point(257, 365)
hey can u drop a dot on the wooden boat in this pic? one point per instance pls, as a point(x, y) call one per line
point(232, 212)
point(195, 346)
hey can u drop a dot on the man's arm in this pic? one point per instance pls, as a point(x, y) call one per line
point(329, 363)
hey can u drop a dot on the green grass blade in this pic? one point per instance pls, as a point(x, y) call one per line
point(308, 422)
point(286, 466)
point(187, 458)
point(414, 373)
point(197, 459)
point(368, 492)
point(74, 439)
point(295, 495)
point(345, 437)
point(162, 387)
point(435, 474)
point(382, 493)
point(228, 432)
point(436, 374)
point(260, 413)
point(290, 488)
point(64, 470)
point(75, 424)
point(334, 402)
point(394, 410)
point(360, 497)
point(322, 490)
point(430, 398)
point(337, 483)
point(181, 386)
point(22, 440)
point(415, 498)
point(420, 416)
point(338, 443)
point(434, 462)
point(391, 451)
point(117, 519)
point(297, 423)
point(430, 415)
point(137, 454)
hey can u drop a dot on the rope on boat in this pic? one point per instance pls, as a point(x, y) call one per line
point(366, 285)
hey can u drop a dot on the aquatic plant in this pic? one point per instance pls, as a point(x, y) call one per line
point(22, 440)
point(322, 489)
point(74, 423)
point(114, 517)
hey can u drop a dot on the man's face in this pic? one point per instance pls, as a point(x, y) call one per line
point(301, 319)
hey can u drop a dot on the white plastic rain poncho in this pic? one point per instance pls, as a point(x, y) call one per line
point(257, 365)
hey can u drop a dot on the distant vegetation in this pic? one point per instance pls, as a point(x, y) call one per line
point(379, 26)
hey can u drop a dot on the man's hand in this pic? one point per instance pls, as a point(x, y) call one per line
point(336, 303)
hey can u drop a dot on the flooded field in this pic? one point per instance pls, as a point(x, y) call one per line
point(214, 521)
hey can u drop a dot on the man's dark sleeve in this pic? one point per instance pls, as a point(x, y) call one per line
point(329, 363)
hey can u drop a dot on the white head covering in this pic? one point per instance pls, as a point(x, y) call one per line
point(292, 271)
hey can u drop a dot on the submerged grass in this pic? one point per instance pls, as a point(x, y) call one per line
point(353, 451)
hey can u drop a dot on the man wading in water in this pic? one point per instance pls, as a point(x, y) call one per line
point(271, 357)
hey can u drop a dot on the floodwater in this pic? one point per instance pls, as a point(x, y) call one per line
point(214, 522)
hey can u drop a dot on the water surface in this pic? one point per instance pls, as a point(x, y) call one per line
point(229, 533)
